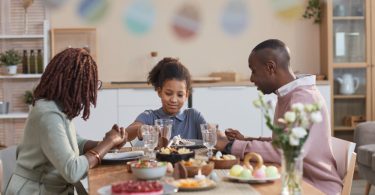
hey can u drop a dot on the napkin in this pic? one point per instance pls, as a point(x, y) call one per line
point(123, 155)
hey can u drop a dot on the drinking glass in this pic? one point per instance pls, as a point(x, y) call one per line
point(165, 127)
point(209, 137)
point(150, 139)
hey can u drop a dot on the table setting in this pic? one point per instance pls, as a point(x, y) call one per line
point(165, 168)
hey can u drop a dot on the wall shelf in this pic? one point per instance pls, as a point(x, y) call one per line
point(21, 76)
point(343, 128)
point(350, 65)
point(348, 17)
point(21, 36)
point(15, 115)
point(349, 96)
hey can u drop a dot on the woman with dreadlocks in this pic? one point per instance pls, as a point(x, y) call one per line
point(52, 158)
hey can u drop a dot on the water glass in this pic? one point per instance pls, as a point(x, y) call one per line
point(209, 137)
point(164, 126)
point(150, 139)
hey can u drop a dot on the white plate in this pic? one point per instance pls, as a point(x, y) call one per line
point(168, 189)
point(253, 180)
point(122, 155)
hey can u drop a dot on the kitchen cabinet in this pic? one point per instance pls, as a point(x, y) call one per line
point(102, 117)
point(116, 106)
point(346, 47)
point(132, 102)
point(230, 107)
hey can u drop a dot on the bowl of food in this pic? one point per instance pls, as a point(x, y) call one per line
point(225, 161)
point(192, 167)
point(148, 169)
point(174, 155)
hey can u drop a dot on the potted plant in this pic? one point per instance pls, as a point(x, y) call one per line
point(10, 58)
point(28, 98)
point(313, 10)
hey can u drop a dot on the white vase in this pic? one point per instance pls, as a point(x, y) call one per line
point(12, 69)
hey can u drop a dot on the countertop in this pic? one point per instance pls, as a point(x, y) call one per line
point(141, 85)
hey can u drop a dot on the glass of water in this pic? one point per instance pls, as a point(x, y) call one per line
point(165, 127)
point(150, 139)
point(209, 137)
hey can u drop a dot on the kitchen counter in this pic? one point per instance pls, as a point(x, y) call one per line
point(142, 85)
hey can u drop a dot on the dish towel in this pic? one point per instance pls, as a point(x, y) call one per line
point(123, 155)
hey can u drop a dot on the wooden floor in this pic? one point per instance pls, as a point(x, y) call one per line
point(358, 187)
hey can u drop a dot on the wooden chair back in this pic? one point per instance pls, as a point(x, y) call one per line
point(343, 152)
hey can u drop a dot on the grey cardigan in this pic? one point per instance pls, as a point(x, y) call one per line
point(50, 155)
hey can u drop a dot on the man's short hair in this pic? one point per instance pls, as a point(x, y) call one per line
point(273, 44)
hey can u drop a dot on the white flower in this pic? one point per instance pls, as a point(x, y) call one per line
point(293, 141)
point(297, 107)
point(299, 132)
point(316, 117)
point(257, 103)
point(309, 107)
point(305, 123)
point(290, 116)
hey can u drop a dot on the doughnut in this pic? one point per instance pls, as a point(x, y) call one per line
point(250, 156)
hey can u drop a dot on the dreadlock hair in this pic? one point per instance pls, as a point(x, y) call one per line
point(71, 80)
point(168, 69)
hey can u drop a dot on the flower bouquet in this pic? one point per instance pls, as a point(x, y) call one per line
point(289, 134)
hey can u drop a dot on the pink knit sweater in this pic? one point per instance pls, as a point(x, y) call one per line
point(319, 167)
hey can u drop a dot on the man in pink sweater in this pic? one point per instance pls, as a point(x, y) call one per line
point(271, 73)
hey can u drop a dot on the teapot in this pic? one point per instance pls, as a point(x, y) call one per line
point(348, 84)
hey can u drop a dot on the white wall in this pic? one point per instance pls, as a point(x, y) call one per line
point(121, 54)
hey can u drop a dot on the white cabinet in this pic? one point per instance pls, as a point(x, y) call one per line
point(101, 118)
point(132, 102)
point(230, 107)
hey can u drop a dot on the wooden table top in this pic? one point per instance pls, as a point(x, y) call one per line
point(108, 174)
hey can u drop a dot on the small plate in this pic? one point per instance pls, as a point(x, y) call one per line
point(168, 189)
point(196, 145)
point(252, 180)
point(121, 157)
point(210, 186)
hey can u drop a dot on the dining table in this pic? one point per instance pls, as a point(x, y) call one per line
point(105, 175)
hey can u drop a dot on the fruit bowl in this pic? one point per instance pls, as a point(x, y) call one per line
point(192, 169)
point(224, 162)
point(147, 169)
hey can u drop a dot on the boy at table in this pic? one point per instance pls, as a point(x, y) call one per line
point(269, 63)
